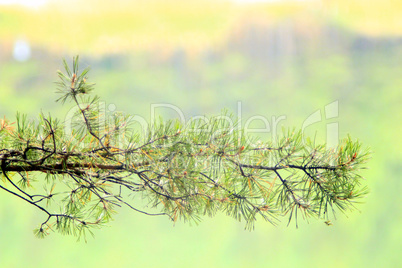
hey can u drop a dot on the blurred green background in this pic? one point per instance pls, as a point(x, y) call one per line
point(277, 58)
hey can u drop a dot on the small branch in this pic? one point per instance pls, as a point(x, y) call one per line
point(4, 168)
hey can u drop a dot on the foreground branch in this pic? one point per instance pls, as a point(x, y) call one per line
point(181, 171)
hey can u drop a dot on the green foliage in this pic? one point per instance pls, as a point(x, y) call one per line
point(71, 85)
point(182, 171)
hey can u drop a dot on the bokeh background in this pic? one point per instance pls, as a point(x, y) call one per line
point(276, 58)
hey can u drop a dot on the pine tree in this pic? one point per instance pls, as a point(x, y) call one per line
point(173, 170)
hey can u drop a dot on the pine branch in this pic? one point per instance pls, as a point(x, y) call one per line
point(183, 171)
